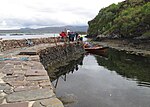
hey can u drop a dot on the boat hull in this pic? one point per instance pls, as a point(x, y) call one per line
point(97, 50)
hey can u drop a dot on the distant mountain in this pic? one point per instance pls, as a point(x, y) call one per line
point(48, 29)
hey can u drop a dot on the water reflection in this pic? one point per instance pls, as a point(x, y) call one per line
point(63, 71)
point(99, 83)
point(127, 65)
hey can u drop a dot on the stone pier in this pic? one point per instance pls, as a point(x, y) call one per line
point(24, 82)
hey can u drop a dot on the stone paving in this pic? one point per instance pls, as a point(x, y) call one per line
point(24, 82)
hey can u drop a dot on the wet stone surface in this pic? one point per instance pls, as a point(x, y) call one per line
point(30, 95)
point(36, 72)
point(23, 81)
point(1, 99)
point(45, 83)
point(37, 78)
point(22, 104)
point(25, 88)
point(18, 83)
point(4, 86)
point(52, 102)
point(1, 65)
point(8, 91)
point(8, 71)
point(13, 78)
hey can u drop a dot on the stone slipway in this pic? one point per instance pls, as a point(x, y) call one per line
point(24, 82)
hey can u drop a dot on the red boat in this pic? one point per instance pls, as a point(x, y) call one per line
point(98, 50)
point(95, 49)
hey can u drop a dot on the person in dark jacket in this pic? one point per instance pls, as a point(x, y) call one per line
point(76, 36)
point(71, 36)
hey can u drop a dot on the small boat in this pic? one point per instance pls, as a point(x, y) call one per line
point(96, 49)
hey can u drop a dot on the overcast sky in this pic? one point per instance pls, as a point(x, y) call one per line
point(42, 13)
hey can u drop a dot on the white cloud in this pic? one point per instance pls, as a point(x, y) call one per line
point(30, 13)
point(3, 23)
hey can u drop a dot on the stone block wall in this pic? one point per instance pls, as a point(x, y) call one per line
point(54, 55)
point(10, 44)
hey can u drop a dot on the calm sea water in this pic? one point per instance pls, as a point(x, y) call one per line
point(115, 80)
point(27, 36)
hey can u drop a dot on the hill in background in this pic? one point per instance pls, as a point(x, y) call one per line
point(47, 29)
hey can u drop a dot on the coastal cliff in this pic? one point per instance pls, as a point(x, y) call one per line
point(127, 19)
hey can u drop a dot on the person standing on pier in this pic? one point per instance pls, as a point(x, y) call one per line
point(76, 36)
point(81, 37)
point(63, 35)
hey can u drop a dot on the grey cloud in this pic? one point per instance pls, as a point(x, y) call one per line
point(46, 13)
point(41, 9)
point(74, 10)
point(79, 11)
point(30, 23)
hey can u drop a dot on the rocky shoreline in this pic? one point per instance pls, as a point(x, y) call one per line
point(137, 47)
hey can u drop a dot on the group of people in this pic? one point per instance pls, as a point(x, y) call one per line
point(71, 36)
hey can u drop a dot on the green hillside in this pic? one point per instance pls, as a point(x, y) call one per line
point(127, 19)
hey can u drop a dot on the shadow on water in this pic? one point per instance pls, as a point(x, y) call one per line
point(63, 71)
point(127, 65)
